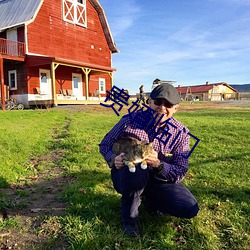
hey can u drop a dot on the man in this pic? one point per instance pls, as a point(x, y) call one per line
point(160, 184)
point(142, 98)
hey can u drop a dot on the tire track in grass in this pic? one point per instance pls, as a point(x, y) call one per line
point(33, 205)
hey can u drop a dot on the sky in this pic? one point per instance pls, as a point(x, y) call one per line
point(187, 41)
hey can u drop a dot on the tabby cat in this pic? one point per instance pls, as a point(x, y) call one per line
point(135, 151)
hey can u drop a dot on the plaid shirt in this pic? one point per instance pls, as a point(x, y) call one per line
point(173, 139)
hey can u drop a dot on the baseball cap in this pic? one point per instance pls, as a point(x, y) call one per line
point(166, 91)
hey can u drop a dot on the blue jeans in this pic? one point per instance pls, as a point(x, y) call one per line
point(168, 198)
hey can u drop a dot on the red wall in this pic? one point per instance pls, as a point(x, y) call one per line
point(49, 35)
point(21, 76)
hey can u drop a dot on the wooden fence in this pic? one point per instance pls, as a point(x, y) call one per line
point(12, 48)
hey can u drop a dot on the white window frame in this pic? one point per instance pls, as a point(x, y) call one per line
point(15, 75)
point(75, 12)
point(102, 82)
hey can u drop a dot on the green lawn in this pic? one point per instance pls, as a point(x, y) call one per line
point(218, 176)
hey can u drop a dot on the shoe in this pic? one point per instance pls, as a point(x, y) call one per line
point(131, 230)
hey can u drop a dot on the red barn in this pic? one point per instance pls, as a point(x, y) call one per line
point(56, 52)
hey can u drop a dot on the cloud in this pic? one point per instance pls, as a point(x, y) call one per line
point(122, 15)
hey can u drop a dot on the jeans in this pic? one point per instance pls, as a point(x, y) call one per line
point(168, 198)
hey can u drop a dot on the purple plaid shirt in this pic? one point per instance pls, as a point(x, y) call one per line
point(173, 139)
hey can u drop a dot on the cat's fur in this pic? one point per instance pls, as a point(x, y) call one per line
point(135, 151)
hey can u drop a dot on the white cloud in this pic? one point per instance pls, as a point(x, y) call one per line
point(122, 15)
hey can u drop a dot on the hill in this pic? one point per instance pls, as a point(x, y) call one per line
point(241, 87)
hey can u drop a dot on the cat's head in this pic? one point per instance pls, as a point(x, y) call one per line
point(147, 148)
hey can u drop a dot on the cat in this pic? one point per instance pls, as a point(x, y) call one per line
point(135, 151)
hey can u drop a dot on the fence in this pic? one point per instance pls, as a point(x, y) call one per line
point(12, 48)
point(217, 96)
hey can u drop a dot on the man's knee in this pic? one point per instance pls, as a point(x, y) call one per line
point(190, 212)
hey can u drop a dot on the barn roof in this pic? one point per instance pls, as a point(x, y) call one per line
point(105, 25)
point(18, 12)
point(202, 88)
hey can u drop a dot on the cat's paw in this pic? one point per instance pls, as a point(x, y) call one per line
point(132, 170)
point(144, 166)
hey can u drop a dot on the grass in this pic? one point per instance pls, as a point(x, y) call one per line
point(218, 177)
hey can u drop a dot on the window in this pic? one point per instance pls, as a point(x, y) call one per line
point(102, 86)
point(74, 11)
point(43, 77)
point(12, 80)
point(75, 82)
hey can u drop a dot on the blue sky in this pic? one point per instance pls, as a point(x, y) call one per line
point(188, 41)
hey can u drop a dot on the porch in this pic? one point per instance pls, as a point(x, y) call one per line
point(11, 49)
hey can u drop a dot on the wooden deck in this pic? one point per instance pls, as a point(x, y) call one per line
point(50, 103)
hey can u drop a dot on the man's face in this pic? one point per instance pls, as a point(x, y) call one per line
point(161, 106)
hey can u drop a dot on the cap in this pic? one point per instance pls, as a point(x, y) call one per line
point(166, 91)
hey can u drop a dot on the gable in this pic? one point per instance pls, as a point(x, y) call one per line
point(105, 25)
point(17, 12)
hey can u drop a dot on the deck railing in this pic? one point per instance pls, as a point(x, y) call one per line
point(12, 48)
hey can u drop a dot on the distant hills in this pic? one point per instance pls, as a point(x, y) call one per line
point(241, 87)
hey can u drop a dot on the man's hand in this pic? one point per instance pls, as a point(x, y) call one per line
point(119, 161)
point(153, 160)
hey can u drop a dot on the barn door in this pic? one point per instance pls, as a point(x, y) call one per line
point(45, 83)
point(12, 48)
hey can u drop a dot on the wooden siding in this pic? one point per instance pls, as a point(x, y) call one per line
point(33, 78)
point(21, 77)
point(63, 77)
point(20, 34)
point(94, 79)
point(49, 35)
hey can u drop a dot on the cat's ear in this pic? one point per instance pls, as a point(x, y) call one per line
point(150, 144)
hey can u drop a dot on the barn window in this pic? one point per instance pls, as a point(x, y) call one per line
point(102, 86)
point(12, 80)
point(74, 11)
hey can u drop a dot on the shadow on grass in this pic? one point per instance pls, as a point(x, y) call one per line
point(94, 219)
point(215, 159)
point(3, 182)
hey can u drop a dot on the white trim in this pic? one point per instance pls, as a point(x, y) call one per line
point(15, 74)
point(74, 12)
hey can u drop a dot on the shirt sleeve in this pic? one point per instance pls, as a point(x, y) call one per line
point(174, 171)
point(106, 144)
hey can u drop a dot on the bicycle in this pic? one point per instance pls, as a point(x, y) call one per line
point(11, 104)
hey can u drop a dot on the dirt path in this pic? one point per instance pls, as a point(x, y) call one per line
point(34, 203)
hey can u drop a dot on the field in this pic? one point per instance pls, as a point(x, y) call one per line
point(56, 192)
